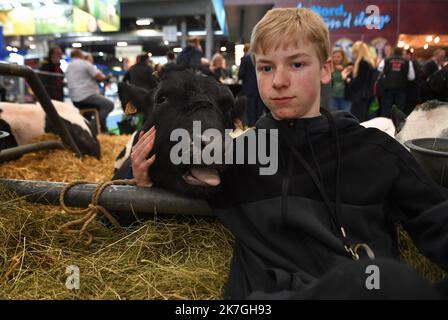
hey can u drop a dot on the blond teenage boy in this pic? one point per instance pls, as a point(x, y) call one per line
point(325, 221)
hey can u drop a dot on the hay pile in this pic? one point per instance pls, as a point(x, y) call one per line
point(159, 259)
point(410, 255)
point(63, 166)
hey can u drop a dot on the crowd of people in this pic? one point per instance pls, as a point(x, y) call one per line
point(82, 78)
point(369, 87)
point(364, 85)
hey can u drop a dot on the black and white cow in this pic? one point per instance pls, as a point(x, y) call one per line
point(25, 122)
point(181, 97)
point(427, 120)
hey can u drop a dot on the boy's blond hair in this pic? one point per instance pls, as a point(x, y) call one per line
point(285, 26)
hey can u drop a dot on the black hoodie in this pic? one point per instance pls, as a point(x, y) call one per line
point(288, 236)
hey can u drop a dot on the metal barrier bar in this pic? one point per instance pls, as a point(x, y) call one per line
point(16, 152)
point(114, 198)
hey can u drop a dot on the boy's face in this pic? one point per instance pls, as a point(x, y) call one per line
point(289, 80)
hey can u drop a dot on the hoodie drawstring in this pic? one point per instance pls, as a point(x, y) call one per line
point(335, 211)
point(310, 145)
point(285, 188)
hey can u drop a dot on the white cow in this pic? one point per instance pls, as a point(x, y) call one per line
point(381, 123)
point(427, 120)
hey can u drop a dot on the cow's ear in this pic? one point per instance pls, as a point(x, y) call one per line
point(239, 107)
point(398, 118)
point(225, 103)
point(134, 99)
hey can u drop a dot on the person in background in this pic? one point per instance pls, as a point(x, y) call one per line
point(218, 67)
point(205, 63)
point(157, 67)
point(141, 73)
point(171, 59)
point(338, 100)
point(413, 88)
point(357, 77)
point(435, 64)
point(89, 58)
point(54, 84)
point(386, 52)
point(2, 93)
point(429, 68)
point(248, 76)
point(191, 55)
point(82, 77)
point(397, 71)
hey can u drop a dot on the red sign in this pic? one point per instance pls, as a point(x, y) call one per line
point(389, 18)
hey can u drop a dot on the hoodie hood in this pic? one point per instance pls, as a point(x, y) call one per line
point(316, 125)
point(297, 132)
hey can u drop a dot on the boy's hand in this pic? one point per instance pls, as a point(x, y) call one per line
point(140, 152)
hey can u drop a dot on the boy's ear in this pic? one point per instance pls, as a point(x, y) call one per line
point(325, 72)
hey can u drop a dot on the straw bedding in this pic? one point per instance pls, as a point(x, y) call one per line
point(184, 258)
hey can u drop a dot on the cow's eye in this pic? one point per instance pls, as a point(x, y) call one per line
point(161, 99)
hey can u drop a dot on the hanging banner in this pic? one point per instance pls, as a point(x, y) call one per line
point(220, 14)
point(170, 33)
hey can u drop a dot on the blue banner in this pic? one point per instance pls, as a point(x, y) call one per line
point(220, 15)
point(3, 52)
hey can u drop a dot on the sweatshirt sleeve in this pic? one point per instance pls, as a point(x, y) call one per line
point(423, 209)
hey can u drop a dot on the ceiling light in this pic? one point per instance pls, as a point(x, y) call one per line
point(143, 21)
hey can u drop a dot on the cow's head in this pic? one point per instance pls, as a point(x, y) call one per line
point(180, 98)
